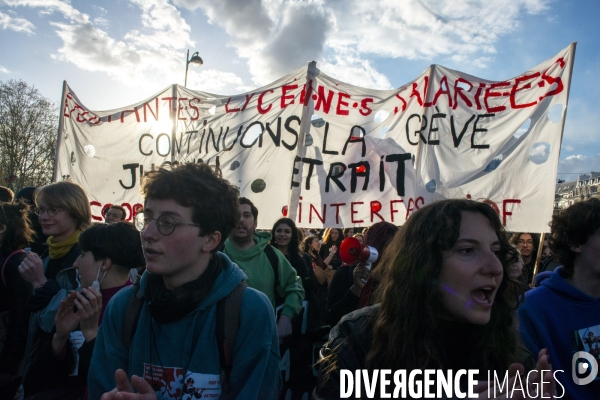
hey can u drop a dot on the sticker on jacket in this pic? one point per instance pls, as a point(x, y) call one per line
point(586, 340)
point(169, 383)
point(201, 386)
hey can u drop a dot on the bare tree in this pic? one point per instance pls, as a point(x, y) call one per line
point(28, 130)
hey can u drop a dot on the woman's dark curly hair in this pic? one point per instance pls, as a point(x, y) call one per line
point(327, 239)
point(294, 246)
point(573, 227)
point(410, 269)
point(306, 245)
point(18, 232)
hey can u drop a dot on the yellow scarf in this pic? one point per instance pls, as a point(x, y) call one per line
point(58, 250)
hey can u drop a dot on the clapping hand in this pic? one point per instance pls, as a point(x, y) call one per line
point(124, 389)
point(32, 270)
point(65, 322)
point(89, 306)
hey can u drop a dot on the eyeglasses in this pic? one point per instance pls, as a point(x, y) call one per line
point(50, 211)
point(525, 242)
point(166, 224)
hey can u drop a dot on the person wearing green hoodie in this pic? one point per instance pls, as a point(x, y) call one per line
point(246, 248)
point(174, 351)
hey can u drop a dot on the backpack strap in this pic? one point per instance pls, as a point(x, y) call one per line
point(6, 261)
point(132, 315)
point(274, 261)
point(228, 323)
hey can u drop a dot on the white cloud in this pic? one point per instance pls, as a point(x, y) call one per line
point(582, 128)
point(149, 56)
point(277, 37)
point(539, 153)
point(349, 67)
point(298, 39)
point(574, 158)
point(100, 10)
point(215, 81)
point(16, 24)
point(101, 22)
point(572, 166)
point(164, 27)
point(539, 150)
point(4, 70)
point(50, 7)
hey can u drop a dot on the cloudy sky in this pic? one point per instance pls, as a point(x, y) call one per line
point(116, 52)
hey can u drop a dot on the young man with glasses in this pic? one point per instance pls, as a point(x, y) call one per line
point(188, 212)
point(527, 243)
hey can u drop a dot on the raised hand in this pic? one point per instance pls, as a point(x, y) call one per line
point(124, 389)
point(65, 321)
point(89, 306)
point(32, 270)
point(543, 382)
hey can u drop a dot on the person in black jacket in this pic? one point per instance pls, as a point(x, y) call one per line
point(60, 370)
point(445, 302)
point(284, 237)
point(349, 280)
point(331, 246)
point(64, 212)
point(15, 234)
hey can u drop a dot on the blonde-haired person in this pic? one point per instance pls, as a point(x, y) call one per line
point(64, 212)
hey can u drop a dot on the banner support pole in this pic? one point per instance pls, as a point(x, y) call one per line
point(536, 267)
point(60, 129)
point(173, 111)
point(305, 124)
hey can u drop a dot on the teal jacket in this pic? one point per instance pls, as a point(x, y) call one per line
point(259, 273)
point(175, 354)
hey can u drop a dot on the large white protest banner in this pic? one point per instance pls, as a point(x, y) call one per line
point(327, 153)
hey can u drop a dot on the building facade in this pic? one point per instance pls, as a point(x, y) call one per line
point(584, 188)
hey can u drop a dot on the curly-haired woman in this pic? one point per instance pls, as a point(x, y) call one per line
point(447, 302)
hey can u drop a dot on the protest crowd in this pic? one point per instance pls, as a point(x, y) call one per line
point(198, 303)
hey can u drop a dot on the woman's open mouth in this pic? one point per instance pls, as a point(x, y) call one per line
point(483, 295)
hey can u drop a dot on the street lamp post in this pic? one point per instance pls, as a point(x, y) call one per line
point(194, 60)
